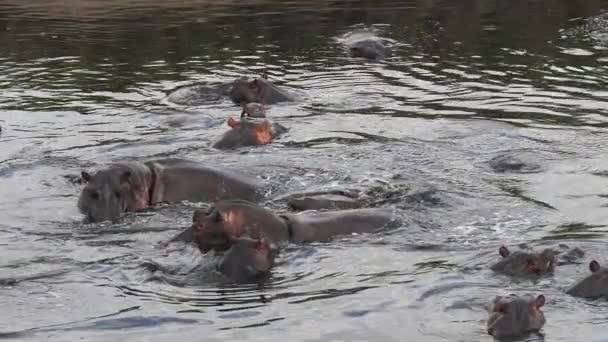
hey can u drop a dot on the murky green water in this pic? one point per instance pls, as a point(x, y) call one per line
point(84, 83)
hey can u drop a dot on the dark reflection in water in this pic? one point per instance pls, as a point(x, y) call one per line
point(485, 126)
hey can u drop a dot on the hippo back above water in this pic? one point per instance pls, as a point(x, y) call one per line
point(257, 90)
point(133, 186)
point(364, 44)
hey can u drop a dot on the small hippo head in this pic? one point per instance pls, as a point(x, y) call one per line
point(594, 285)
point(226, 221)
point(109, 193)
point(248, 132)
point(245, 91)
point(515, 316)
point(369, 48)
point(248, 259)
point(523, 263)
point(253, 110)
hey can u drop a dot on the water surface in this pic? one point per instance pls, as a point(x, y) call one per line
point(84, 83)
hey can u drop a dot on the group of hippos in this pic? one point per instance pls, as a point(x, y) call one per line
point(248, 235)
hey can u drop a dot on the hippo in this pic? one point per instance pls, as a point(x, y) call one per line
point(520, 263)
point(366, 45)
point(514, 316)
point(259, 90)
point(216, 227)
point(248, 132)
point(253, 110)
point(594, 285)
point(247, 260)
point(132, 186)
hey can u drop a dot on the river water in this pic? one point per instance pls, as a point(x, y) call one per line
point(84, 83)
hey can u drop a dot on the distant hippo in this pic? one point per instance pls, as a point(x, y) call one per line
point(248, 132)
point(594, 285)
point(217, 226)
point(520, 263)
point(258, 90)
point(132, 186)
point(515, 316)
point(366, 45)
point(253, 110)
point(247, 260)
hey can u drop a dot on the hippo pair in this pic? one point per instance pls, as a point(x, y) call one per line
point(250, 234)
point(253, 129)
point(515, 316)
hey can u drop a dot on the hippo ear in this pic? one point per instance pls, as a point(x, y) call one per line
point(539, 301)
point(503, 251)
point(594, 266)
point(86, 177)
point(233, 123)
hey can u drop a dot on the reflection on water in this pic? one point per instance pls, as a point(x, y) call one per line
point(486, 126)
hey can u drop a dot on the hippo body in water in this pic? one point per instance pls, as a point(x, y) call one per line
point(512, 316)
point(593, 286)
point(253, 110)
point(366, 45)
point(215, 227)
point(133, 186)
point(258, 90)
point(521, 263)
point(247, 132)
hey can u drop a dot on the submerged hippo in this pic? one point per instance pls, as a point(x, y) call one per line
point(132, 186)
point(515, 316)
point(594, 285)
point(367, 45)
point(247, 260)
point(258, 90)
point(253, 110)
point(217, 226)
point(248, 132)
point(520, 263)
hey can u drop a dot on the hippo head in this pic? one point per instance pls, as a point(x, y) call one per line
point(247, 132)
point(253, 110)
point(515, 316)
point(594, 285)
point(369, 48)
point(226, 221)
point(109, 193)
point(245, 91)
point(523, 263)
point(248, 259)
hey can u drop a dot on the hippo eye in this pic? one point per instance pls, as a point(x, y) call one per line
point(216, 216)
point(117, 194)
point(94, 195)
point(503, 309)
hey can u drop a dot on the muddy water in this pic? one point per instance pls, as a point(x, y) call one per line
point(470, 85)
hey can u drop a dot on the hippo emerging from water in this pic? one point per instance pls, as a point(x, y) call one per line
point(217, 226)
point(593, 286)
point(367, 45)
point(515, 316)
point(248, 132)
point(247, 260)
point(133, 186)
point(258, 90)
point(520, 263)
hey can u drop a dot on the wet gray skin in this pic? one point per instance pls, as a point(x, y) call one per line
point(369, 49)
point(258, 90)
point(216, 227)
point(594, 285)
point(125, 187)
point(520, 263)
point(253, 110)
point(512, 316)
point(325, 201)
point(248, 260)
point(249, 132)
